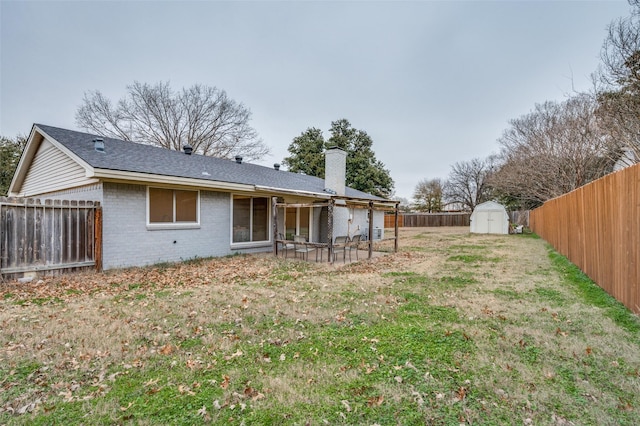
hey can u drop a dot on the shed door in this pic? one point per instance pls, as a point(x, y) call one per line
point(494, 222)
point(481, 222)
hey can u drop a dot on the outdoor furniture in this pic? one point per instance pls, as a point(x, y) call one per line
point(301, 246)
point(353, 244)
point(339, 246)
point(285, 244)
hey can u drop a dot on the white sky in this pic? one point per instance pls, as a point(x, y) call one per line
point(431, 82)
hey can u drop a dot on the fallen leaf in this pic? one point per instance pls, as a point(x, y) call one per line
point(167, 349)
point(237, 354)
point(375, 401)
point(559, 332)
point(461, 393)
point(185, 390)
point(152, 382)
point(225, 382)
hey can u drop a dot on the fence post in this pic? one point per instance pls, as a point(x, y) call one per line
point(332, 203)
point(395, 243)
point(97, 244)
point(274, 215)
point(370, 229)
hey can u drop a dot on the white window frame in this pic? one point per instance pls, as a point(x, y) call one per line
point(153, 226)
point(269, 239)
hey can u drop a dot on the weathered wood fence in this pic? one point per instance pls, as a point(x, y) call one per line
point(519, 217)
point(597, 227)
point(49, 237)
point(428, 219)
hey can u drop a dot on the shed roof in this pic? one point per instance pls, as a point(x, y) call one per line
point(490, 205)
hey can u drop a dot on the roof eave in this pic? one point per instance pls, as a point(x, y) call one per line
point(293, 191)
point(125, 176)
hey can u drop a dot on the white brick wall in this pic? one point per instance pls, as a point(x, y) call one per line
point(128, 242)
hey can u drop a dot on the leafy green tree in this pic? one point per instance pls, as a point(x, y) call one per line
point(364, 171)
point(307, 153)
point(10, 151)
point(428, 195)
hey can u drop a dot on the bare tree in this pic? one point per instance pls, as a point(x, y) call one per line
point(618, 83)
point(468, 183)
point(552, 150)
point(201, 116)
point(428, 195)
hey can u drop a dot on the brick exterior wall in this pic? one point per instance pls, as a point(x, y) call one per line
point(128, 242)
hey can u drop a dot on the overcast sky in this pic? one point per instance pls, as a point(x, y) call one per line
point(432, 83)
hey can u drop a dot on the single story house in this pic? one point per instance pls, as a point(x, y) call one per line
point(160, 205)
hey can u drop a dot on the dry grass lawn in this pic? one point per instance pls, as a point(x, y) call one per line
point(454, 329)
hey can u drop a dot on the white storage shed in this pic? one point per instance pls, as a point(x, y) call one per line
point(490, 218)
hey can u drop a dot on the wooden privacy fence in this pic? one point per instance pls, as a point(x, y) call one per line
point(597, 227)
point(49, 237)
point(428, 219)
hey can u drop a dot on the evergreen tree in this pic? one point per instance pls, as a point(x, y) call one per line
point(307, 153)
point(364, 171)
point(10, 152)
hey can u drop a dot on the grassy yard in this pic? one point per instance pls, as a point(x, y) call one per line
point(453, 329)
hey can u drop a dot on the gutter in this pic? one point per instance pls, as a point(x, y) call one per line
point(123, 176)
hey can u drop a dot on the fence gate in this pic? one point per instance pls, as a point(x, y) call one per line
point(49, 237)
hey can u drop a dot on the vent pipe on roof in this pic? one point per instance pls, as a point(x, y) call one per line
point(276, 166)
point(187, 149)
point(238, 159)
point(98, 144)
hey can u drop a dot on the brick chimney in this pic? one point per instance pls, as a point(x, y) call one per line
point(335, 170)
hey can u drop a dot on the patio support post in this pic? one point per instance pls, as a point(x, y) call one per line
point(274, 214)
point(395, 243)
point(330, 229)
point(370, 229)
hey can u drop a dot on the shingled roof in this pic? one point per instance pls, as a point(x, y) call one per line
point(127, 156)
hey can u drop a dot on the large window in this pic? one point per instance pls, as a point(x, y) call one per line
point(297, 222)
point(250, 219)
point(172, 206)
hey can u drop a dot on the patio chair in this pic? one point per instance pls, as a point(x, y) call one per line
point(285, 245)
point(353, 244)
point(339, 246)
point(300, 244)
